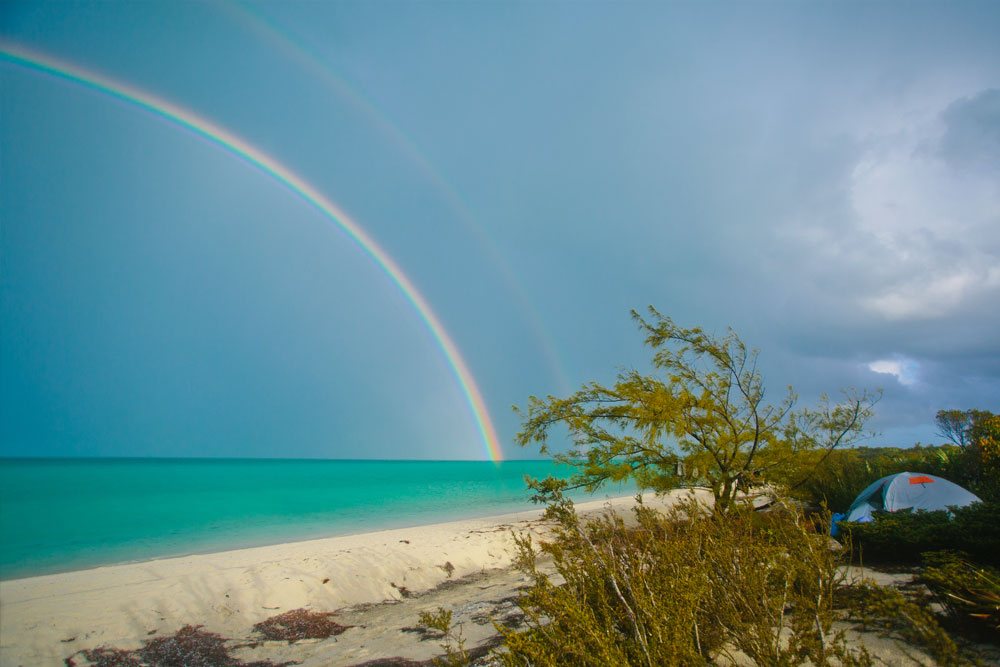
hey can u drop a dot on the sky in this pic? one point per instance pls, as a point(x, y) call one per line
point(822, 177)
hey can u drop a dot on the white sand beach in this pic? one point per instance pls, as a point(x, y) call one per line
point(44, 620)
point(378, 583)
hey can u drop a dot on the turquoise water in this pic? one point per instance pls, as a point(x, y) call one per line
point(68, 514)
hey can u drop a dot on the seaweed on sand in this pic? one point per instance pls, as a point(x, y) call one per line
point(188, 647)
point(106, 657)
point(300, 624)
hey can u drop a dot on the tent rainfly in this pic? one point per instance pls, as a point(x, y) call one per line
point(905, 490)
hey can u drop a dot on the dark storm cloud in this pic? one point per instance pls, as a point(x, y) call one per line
point(972, 137)
point(821, 177)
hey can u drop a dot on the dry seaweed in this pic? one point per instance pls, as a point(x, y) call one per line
point(403, 590)
point(188, 647)
point(395, 662)
point(106, 657)
point(424, 632)
point(300, 624)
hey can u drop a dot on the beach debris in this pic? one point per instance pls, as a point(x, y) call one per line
point(66, 641)
point(403, 590)
point(106, 657)
point(405, 541)
point(448, 567)
point(395, 662)
point(299, 624)
point(190, 646)
point(479, 657)
point(327, 580)
point(507, 613)
point(424, 632)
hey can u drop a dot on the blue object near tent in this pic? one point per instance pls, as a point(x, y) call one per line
point(906, 490)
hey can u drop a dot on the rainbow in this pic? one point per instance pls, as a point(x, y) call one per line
point(249, 153)
point(280, 37)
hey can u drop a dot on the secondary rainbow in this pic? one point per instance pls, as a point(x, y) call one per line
point(280, 37)
point(273, 168)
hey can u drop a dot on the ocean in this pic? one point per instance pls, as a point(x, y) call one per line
point(58, 515)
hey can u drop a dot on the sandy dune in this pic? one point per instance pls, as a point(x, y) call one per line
point(378, 583)
point(45, 619)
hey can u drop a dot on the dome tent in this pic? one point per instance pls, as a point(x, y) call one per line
point(906, 490)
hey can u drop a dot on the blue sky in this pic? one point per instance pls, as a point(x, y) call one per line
point(822, 177)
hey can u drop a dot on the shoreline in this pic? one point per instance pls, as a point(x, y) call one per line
point(376, 584)
point(336, 535)
point(45, 619)
point(96, 513)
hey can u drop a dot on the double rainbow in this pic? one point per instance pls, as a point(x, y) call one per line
point(285, 176)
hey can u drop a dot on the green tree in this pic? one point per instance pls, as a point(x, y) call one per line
point(705, 407)
point(963, 427)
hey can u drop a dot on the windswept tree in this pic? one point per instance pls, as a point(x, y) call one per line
point(977, 432)
point(962, 427)
point(704, 406)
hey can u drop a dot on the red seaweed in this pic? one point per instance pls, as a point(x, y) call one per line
point(300, 624)
point(188, 647)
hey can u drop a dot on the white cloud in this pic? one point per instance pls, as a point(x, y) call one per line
point(930, 220)
point(930, 296)
point(905, 370)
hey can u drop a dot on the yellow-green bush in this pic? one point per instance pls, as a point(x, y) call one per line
point(968, 592)
point(679, 589)
point(904, 536)
point(889, 610)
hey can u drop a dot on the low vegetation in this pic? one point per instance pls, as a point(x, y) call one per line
point(908, 617)
point(681, 588)
point(905, 536)
point(689, 587)
point(968, 592)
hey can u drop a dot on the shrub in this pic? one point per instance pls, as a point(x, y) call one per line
point(987, 458)
point(844, 474)
point(969, 593)
point(903, 537)
point(888, 609)
point(453, 642)
point(680, 588)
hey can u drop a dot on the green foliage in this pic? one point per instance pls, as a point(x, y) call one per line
point(962, 427)
point(847, 472)
point(969, 593)
point(680, 588)
point(451, 640)
point(705, 407)
point(986, 454)
point(902, 537)
point(888, 609)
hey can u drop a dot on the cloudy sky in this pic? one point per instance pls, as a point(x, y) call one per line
point(822, 177)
